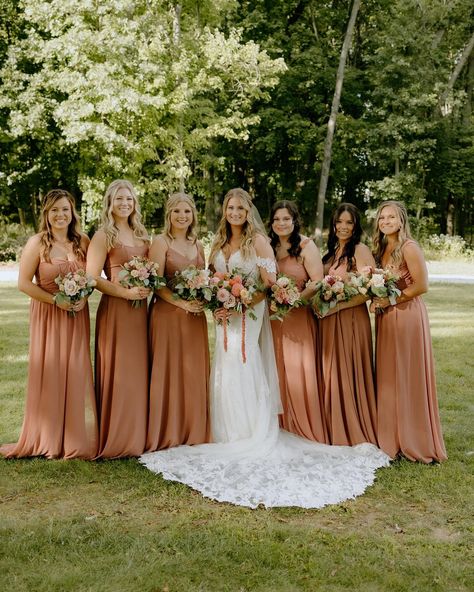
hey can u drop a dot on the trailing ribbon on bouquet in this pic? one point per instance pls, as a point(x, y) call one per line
point(233, 292)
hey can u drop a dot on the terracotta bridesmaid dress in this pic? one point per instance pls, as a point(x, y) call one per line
point(60, 416)
point(179, 355)
point(348, 375)
point(298, 360)
point(121, 366)
point(408, 418)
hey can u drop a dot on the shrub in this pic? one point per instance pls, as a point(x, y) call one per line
point(444, 246)
point(12, 239)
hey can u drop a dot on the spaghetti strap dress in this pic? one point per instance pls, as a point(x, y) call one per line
point(298, 357)
point(121, 365)
point(60, 414)
point(179, 356)
point(408, 417)
point(348, 373)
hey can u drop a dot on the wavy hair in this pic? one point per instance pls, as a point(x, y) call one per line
point(224, 233)
point(348, 252)
point(74, 233)
point(134, 220)
point(295, 238)
point(173, 200)
point(380, 240)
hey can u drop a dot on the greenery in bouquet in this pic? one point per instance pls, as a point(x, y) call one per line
point(382, 283)
point(143, 273)
point(191, 284)
point(284, 296)
point(330, 291)
point(73, 286)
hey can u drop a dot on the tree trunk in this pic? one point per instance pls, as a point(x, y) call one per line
point(450, 217)
point(455, 73)
point(326, 164)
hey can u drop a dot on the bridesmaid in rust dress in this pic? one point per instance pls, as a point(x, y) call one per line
point(60, 416)
point(296, 338)
point(121, 350)
point(349, 392)
point(179, 350)
point(408, 418)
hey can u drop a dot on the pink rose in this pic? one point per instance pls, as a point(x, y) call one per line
point(223, 295)
point(230, 302)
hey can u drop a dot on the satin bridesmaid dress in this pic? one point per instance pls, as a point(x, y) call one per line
point(121, 365)
point(348, 373)
point(408, 417)
point(60, 415)
point(179, 355)
point(298, 358)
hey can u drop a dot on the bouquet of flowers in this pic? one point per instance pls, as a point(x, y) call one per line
point(382, 283)
point(330, 291)
point(284, 296)
point(140, 272)
point(73, 286)
point(232, 292)
point(191, 284)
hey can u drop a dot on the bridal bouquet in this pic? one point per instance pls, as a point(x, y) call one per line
point(284, 296)
point(140, 272)
point(382, 283)
point(192, 284)
point(73, 286)
point(232, 292)
point(330, 291)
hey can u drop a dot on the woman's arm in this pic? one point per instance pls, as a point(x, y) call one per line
point(77, 306)
point(363, 258)
point(264, 250)
point(96, 256)
point(416, 264)
point(157, 254)
point(314, 268)
point(29, 261)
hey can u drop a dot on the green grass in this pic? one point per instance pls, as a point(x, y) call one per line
point(115, 527)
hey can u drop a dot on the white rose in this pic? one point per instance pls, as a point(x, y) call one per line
point(70, 288)
point(377, 280)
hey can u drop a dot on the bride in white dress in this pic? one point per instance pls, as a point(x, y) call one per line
point(251, 461)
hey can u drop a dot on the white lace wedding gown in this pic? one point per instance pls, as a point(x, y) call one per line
point(252, 461)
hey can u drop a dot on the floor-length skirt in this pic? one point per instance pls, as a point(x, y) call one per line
point(347, 362)
point(298, 356)
point(121, 377)
point(179, 383)
point(408, 418)
point(60, 416)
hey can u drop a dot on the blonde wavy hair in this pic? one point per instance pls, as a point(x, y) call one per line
point(134, 220)
point(74, 233)
point(380, 240)
point(173, 200)
point(224, 233)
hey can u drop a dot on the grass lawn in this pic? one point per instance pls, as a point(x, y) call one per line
point(113, 526)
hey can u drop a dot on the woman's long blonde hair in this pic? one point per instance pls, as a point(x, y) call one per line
point(224, 233)
point(173, 200)
point(74, 233)
point(380, 240)
point(107, 218)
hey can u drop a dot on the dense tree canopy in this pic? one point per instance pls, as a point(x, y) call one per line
point(205, 95)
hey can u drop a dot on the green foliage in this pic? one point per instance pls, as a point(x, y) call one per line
point(447, 248)
point(12, 240)
point(133, 88)
point(206, 95)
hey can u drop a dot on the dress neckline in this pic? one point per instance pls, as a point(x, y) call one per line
point(170, 248)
